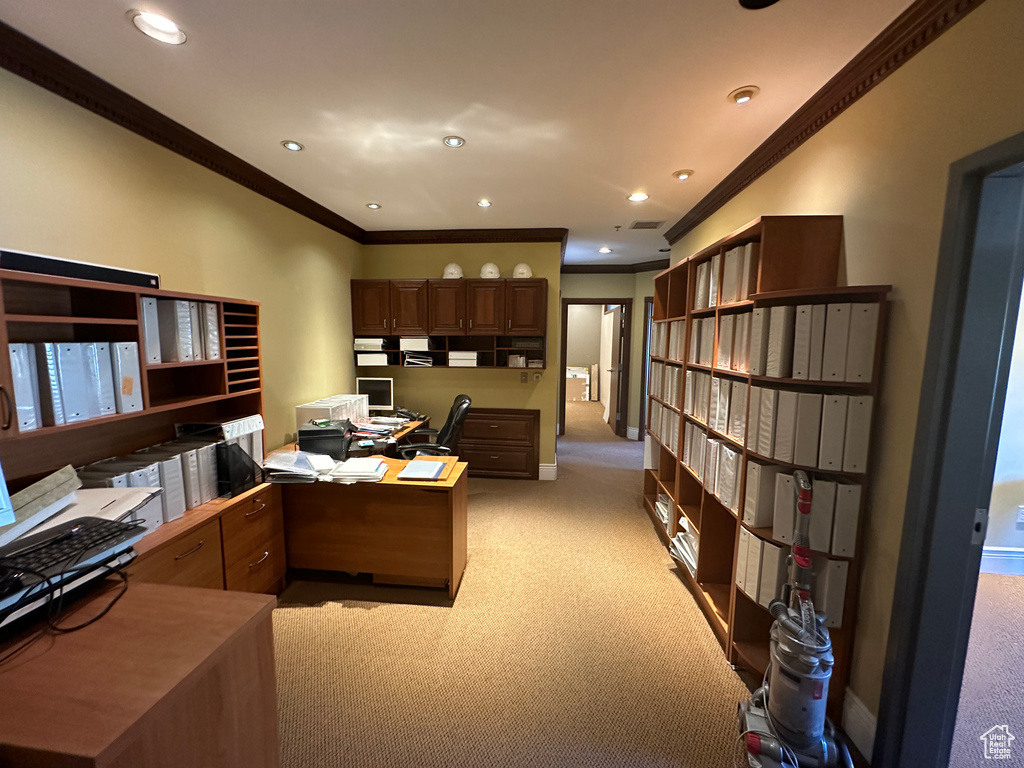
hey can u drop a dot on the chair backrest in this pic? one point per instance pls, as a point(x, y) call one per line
point(449, 434)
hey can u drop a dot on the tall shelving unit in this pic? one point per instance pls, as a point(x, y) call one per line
point(797, 264)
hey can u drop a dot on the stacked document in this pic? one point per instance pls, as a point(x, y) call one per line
point(462, 359)
point(287, 466)
point(684, 549)
point(422, 469)
point(369, 345)
point(363, 470)
point(418, 359)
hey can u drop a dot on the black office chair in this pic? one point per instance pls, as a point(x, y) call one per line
point(445, 438)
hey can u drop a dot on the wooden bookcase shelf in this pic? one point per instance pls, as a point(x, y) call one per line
point(797, 263)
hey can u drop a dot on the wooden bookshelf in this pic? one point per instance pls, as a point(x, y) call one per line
point(797, 264)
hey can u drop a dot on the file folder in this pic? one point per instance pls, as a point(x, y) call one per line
point(823, 502)
point(785, 426)
point(779, 364)
point(71, 373)
point(802, 342)
point(847, 512)
point(127, 378)
point(51, 404)
point(860, 351)
point(774, 573)
point(759, 501)
point(151, 330)
point(175, 318)
point(25, 380)
point(211, 330)
point(785, 509)
point(817, 343)
point(858, 434)
point(833, 432)
point(759, 327)
point(837, 337)
point(808, 429)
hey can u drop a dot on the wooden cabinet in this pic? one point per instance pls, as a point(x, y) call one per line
point(526, 307)
point(447, 302)
point(190, 560)
point(409, 315)
point(501, 442)
point(253, 534)
point(371, 307)
point(485, 307)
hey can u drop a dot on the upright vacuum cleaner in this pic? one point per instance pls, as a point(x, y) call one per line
point(784, 723)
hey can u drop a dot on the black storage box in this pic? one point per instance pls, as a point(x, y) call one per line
point(331, 438)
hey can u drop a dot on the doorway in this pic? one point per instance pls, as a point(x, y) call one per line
point(614, 370)
point(946, 673)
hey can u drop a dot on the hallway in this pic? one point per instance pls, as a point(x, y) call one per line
point(571, 642)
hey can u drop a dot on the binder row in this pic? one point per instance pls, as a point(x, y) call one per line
point(694, 449)
point(815, 342)
point(702, 341)
point(685, 545)
point(676, 339)
point(659, 339)
point(727, 408)
point(734, 342)
point(179, 331)
point(739, 278)
point(65, 382)
point(666, 383)
point(810, 429)
point(723, 473)
point(697, 396)
point(665, 426)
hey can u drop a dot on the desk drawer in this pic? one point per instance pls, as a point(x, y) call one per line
point(495, 429)
point(251, 525)
point(497, 462)
point(258, 570)
point(191, 560)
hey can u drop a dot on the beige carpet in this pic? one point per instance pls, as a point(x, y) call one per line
point(571, 642)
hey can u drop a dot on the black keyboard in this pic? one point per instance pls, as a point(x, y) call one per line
point(49, 553)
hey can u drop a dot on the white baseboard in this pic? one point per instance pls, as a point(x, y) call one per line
point(632, 433)
point(1008, 561)
point(548, 472)
point(859, 724)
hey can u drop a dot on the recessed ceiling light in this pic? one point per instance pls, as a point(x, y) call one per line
point(637, 197)
point(454, 141)
point(158, 27)
point(373, 206)
point(485, 203)
point(604, 249)
point(756, 5)
point(292, 146)
point(744, 94)
point(683, 175)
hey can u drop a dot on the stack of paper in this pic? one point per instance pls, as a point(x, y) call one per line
point(366, 470)
point(418, 360)
point(286, 466)
point(422, 469)
point(414, 344)
point(369, 345)
point(462, 359)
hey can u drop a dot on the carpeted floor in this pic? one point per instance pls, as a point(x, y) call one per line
point(571, 642)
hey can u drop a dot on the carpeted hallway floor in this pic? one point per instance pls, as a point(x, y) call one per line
point(571, 642)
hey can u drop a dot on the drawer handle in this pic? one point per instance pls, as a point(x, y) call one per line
point(192, 551)
point(495, 457)
point(493, 426)
point(265, 556)
point(256, 511)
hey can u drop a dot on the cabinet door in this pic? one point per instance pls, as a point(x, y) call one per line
point(371, 307)
point(485, 301)
point(447, 307)
point(409, 307)
point(191, 560)
point(527, 307)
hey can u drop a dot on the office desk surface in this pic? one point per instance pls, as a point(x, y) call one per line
point(170, 676)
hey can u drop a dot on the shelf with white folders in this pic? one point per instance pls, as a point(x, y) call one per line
point(782, 372)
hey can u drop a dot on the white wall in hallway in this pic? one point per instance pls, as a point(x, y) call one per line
point(607, 329)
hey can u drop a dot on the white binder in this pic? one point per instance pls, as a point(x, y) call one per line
point(716, 384)
point(693, 355)
point(741, 343)
point(808, 429)
point(726, 488)
point(738, 411)
point(830, 589)
point(175, 330)
point(25, 379)
point(774, 572)
point(752, 580)
point(707, 341)
point(100, 375)
point(741, 558)
point(172, 480)
point(711, 468)
point(759, 501)
point(51, 405)
point(802, 342)
point(701, 291)
point(196, 326)
point(151, 330)
point(779, 363)
point(731, 275)
point(759, 327)
point(823, 502)
point(724, 404)
point(748, 271)
point(92, 477)
point(716, 268)
point(725, 334)
point(785, 509)
point(766, 425)
point(858, 434)
point(818, 316)
point(833, 432)
point(860, 350)
point(127, 378)
point(71, 373)
point(844, 529)
point(837, 337)
point(785, 426)
point(211, 330)
point(754, 419)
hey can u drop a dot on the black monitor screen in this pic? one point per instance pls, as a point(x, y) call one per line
point(379, 392)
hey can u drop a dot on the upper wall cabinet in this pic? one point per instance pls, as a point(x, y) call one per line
point(526, 307)
point(447, 303)
point(371, 307)
point(485, 300)
point(409, 307)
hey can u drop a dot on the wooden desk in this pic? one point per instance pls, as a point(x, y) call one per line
point(402, 532)
point(170, 677)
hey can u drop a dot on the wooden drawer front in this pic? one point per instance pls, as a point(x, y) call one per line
point(252, 525)
point(259, 569)
point(513, 462)
point(507, 430)
point(191, 560)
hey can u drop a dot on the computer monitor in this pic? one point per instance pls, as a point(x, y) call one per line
point(380, 392)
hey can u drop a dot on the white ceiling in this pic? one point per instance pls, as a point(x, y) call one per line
point(566, 107)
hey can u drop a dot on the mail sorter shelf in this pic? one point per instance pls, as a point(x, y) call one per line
point(490, 352)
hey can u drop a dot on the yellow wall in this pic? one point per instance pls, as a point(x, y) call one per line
point(76, 186)
point(432, 391)
point(883, 164)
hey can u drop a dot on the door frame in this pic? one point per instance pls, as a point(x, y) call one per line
point(937, 570)
point(645, 365)
point(627, 314)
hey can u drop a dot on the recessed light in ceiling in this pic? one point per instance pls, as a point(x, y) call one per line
point(744, 94)
point(664, 250)
point(604, 249)
point(756, 5)
point(373, 206)
point(485, 203)
point(158, 27)
point(454, 141)
point(683, 175)
point(292, 146)
point(637, 197)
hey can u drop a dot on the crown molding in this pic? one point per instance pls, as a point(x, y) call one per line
point(908, 35)
point(449, 236)
point(615, 269)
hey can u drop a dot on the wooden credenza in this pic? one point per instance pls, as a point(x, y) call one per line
point(501, 442)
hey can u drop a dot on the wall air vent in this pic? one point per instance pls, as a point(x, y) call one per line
point(647, 225)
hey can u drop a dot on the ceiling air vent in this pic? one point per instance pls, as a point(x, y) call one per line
point(647, 225)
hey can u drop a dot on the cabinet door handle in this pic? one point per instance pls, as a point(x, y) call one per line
point(265, 556)
point(192, 551)
point(460, 322)
point(471, 322)
point(256, 511)
point(9, 415)
point(493, 426)
point(495, 457)
point(385, 323)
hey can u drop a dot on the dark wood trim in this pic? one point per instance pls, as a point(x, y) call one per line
point(448, 236)
point(908, 35)
point(37, 64)
point(627, 307)
point(645, 363)
point(615, 269)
